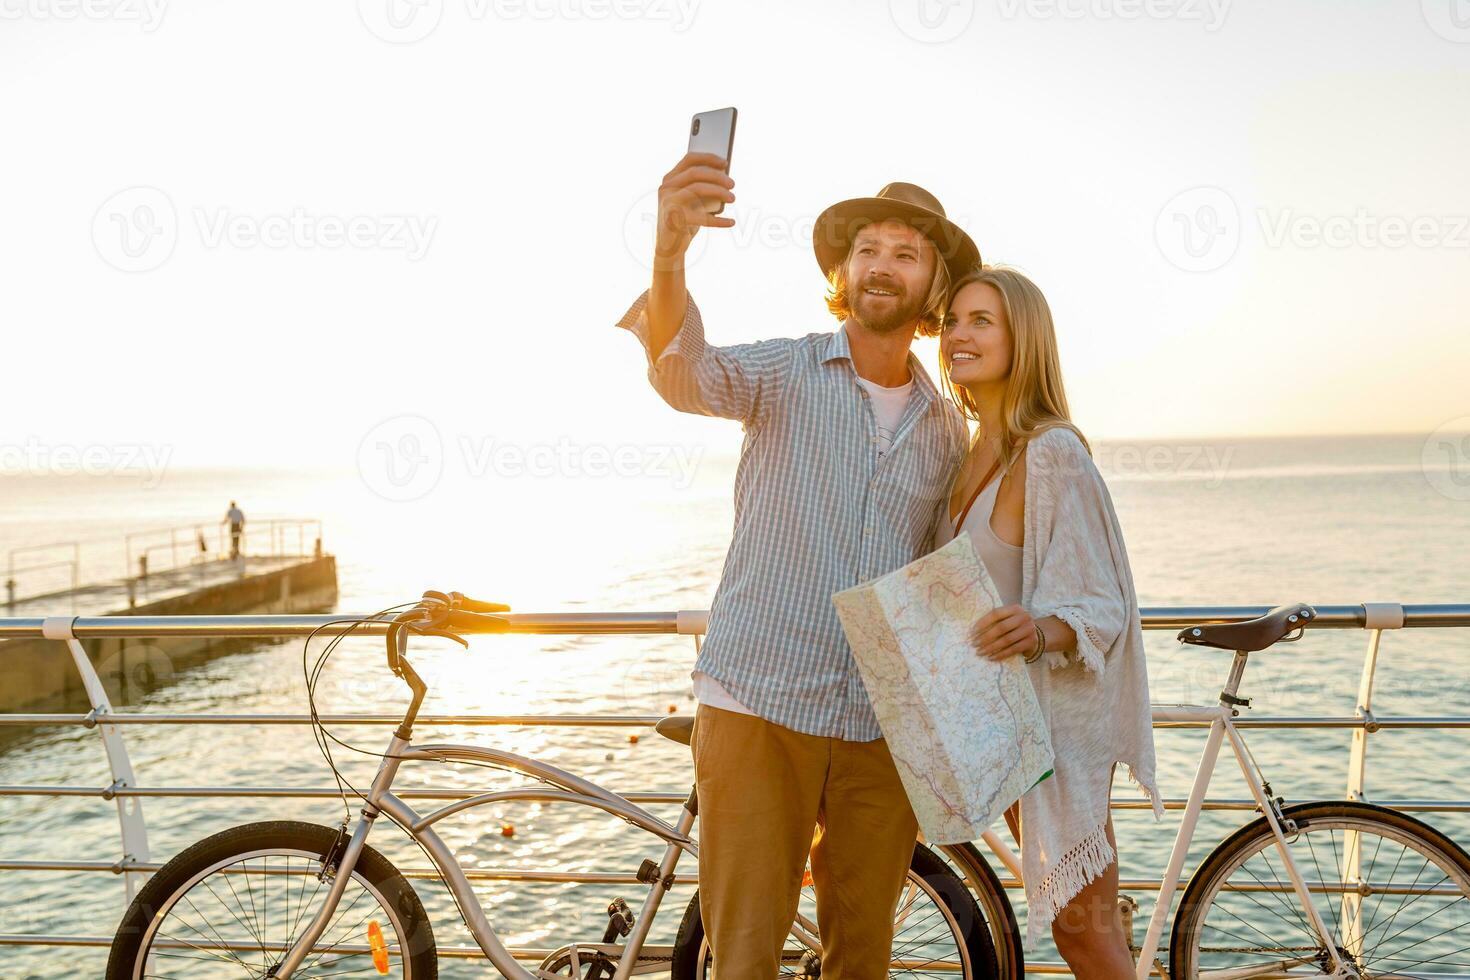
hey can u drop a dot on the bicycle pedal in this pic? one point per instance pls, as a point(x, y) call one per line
point(620, 918)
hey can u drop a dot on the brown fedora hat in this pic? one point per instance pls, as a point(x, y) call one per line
point(833, 233)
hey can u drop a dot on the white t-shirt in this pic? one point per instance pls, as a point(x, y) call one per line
point(888, 406)
point(709, 691)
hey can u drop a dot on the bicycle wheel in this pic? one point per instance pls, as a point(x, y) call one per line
point(995, 908)
point(1393, 892)
point(939, 931)
point(231, 905)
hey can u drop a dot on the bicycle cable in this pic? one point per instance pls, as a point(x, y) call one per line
point(321, 734)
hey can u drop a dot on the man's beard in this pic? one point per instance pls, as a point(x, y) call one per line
point(905, 312)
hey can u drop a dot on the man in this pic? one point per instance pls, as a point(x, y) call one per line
point(847, 458)
point(236, 519)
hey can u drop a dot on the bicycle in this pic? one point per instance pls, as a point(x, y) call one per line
point(236, 903)
point(1237, 919)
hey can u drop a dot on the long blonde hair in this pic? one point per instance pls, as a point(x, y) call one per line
point(931, 318)
point(1035, 399)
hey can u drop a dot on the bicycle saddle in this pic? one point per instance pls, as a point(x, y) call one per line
point(1252, 634)
point(676, 727)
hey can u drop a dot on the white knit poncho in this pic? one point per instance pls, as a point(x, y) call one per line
point(1074, 566)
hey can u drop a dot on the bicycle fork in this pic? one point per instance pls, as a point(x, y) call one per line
point(343, 871)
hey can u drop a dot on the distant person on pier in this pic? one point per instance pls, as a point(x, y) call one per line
point(236, 519)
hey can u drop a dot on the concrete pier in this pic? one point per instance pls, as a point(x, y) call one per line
point(39, 675)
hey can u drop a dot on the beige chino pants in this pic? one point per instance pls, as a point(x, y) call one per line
point(763, 789)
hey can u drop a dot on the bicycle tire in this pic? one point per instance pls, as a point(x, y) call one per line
point(1256, 836)
point(925, 864)
point(995, 907)
point(172, 882)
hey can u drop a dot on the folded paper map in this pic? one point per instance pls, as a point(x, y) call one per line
point(966, 733)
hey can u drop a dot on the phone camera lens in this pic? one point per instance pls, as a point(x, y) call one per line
point(695, 130)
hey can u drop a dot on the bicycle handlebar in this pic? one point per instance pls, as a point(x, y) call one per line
point(476, 606)
point(451, 613)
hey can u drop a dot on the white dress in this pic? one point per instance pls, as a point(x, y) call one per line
point(1072, 565)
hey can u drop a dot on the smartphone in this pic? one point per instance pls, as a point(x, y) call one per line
point(714, 132)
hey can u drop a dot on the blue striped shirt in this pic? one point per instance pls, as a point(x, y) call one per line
point(816, 510)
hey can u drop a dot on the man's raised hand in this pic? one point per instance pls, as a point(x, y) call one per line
point(689, 192)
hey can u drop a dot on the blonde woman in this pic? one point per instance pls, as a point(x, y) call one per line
point(1043, 524)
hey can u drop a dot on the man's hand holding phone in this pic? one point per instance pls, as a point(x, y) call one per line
point(687, 199)
point(691, 197)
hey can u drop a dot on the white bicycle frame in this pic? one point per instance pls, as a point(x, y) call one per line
point(1222, 725)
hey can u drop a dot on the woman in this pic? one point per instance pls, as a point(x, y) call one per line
point(1043, 524)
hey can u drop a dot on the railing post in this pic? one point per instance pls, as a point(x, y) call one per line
point(129, 808)
point(1377, 617)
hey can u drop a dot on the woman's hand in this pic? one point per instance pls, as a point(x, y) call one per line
point(1007, 631)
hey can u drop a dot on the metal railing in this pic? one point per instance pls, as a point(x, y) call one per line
point(15, 565)
point(186, 545)
point(125, 789)
point(153, 552)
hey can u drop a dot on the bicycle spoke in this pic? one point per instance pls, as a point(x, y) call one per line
point(231, 958)
point(218, 938)
point(1426, 939)
point(1387, 923)
point(927, 940)
point(1339, 904)
point(342, 914)
point(302, 906)
point(1300, 919)
point(1435, 959)
point(255, 933)
point(1336, 937)
point(1270, 943)
point(1392, 876)
point(1285, 891)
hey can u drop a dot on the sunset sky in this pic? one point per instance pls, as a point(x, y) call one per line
point(253, 233)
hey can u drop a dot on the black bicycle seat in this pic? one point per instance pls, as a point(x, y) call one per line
point(677, 727)
point(1252, 634)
